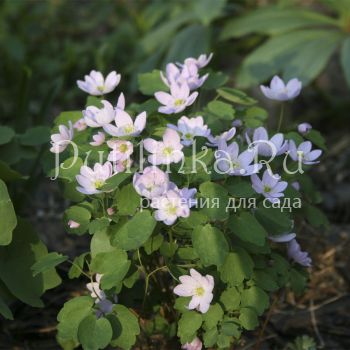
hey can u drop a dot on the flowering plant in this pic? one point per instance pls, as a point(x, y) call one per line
point(192, 207)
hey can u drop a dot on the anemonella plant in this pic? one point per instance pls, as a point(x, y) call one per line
point(192, 206)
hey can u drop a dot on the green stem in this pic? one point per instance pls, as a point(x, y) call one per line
point(147, 282)
point(280, 121)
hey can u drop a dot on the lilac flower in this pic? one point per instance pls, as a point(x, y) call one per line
point(73, 224)
point(226, 136)
point(80, 124)
point(122, 150)
point(237, 123)
point(98, 138)
point(167, 151)
point(189, 128)
point(195, 344)
point(170, 207)
point(201, 61)
point(61, 140)
point(186, 74)
point(95, 84)
point(279, 91)
point(178, 99)
point(229, 161)
point(104, 305)
point(125, 125)
point(276, 145)
point(295, 253)
point(187, 194)
point(304, 128)
point(121, 102)
point(99, 117)
point(270, 186)
point(91, 180)
point(304, 152)
point(122, 165)
point(284, 238)
point(199, 287)
point(296, 185)
point(152, 183)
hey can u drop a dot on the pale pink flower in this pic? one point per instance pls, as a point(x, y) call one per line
point(80, 124)
point(121, 150)
point(95, 84)
point(98, 138)
point(280, 91)
point(61, 140)
point(73, 224)
point(195, 344)
point(199, 287)
point(98, 117)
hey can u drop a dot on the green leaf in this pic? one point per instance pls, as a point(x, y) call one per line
point(230, 327)
point(231, 299)
point(210, 244)
point(247, 228)
point(69, 169)
point(188, 325)
point(77, 266)
point(222, 110)
point(98, 224)
point(129, 328)
point(5, 310)
point(149, 83)
point(265, 281)
point(210, 337)
point(80, 215)
point(316, 138)
point(70, 316)
point(65, 117)
point(315, 216)
point(100, 243)
point(274, 20)
point(248, 318)
point(256, 298)
point(213, 316)
point(255, 117)
point(8, 174)
point(6, 134)
point(236, 96)
point(274, 220)
point(240, 189)
point(127, 200)
point(237, 267)
point(215, 80)
point(113, 182)
point(208, 10)
point(35, 136)
point(94, 334)
point(153, 244)
point(215, 200)
point(94, 101)
point(48, 262)
point(113, 265)
point(135, 232)
point(298, 281)
point(16, 260)
point(345, 59)
point(8, 217)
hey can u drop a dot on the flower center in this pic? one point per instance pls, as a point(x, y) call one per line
point(171, 209)
point(129, 129)
point(235, 165)
point(199, 291)
point(98, 184)
point(179, 102)
point(267, 189)
point(188, 136)
point(123, 148)
point(167, 151)
point(101, 88)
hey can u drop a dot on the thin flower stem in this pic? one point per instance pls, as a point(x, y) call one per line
point(280, 121)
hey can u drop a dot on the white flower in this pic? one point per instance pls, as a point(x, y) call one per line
point(61, 140)
point(99, 139)
point(122, 150)
point(304, 152)
point(189, 128)
point(198, 287)
point(195, 344)
point(152, 183)
point(121, 101)
point(125, 126)
point(73, 224)
point(280, 91)
point(98, 117)
point(80, 124)
point(201, 61)
point(91, 180)
point(178, 99)
point(167, 151)
point(95, 84)
point(169, 207)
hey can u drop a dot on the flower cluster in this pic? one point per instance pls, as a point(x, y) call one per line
point(243, 160)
